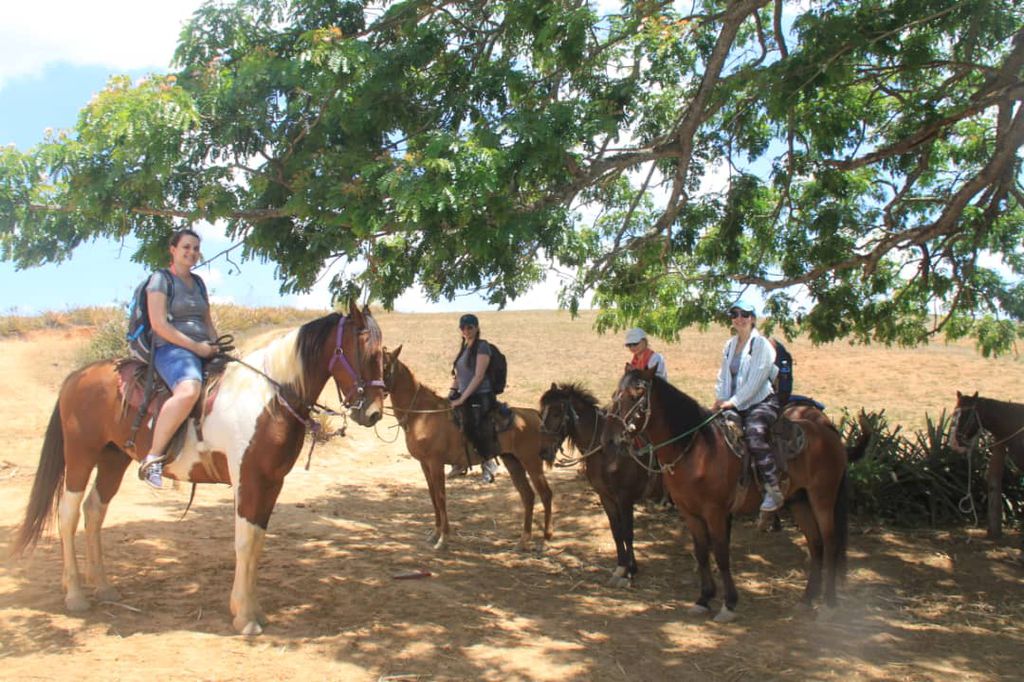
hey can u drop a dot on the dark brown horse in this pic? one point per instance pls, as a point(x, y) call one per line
point(434, 440)
point(251, 438)
point(702, 474)
point(1005, 421)
point(569, 411)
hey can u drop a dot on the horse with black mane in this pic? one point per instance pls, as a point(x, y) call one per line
point(434, 440)
point(703, 475)
point(251, 437)
point(569, 411)
point(1005, 421)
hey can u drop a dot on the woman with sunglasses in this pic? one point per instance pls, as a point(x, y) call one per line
point(744, 387)
point(473, 396)
point(643, 356)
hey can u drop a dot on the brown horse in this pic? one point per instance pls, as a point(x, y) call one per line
point(434, 440)
point(251, 438)
point(1005, 421)
point(703, 474)
point(570, 411)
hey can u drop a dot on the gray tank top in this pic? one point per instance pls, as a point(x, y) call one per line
point(464, 373)
point(188, 307)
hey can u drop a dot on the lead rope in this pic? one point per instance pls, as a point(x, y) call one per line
point(966, 503)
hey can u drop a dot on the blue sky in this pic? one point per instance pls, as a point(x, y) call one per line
point(54, 55)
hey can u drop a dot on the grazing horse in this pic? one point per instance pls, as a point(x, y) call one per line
point(703, 474)
point(251, 438)
point(434, 440)
point(570, 411)
point(1005, 421)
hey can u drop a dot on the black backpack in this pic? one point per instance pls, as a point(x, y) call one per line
point(139, 334)
point(782, 383)
point(497, 369)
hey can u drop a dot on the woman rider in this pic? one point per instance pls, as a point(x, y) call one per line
point(182, 337)
point(472, 394)
point(643, 356)
point(744, 386)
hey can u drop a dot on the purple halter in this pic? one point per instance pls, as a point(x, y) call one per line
point(339, 356)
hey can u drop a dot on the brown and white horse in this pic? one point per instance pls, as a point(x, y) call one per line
point(251, 438)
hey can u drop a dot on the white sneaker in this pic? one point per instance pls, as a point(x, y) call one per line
point(152, 472)
point(773, 498)
point(490, 469)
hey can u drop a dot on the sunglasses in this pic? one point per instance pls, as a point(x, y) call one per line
point(467, 326)
point(632, 345)
point(734, 313)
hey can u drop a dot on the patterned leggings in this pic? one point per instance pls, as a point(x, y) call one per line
point(756, 423)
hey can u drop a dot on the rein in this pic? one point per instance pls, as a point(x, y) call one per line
point(570, 420)
point(649, 450)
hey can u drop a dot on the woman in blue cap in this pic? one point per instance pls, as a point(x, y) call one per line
point(472, 394)
point(744, 386)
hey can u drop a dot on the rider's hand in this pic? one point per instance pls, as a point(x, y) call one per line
point(205, 349)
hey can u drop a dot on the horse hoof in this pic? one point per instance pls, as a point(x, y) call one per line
point(619, 581)
point(108, 594)
point(247, 627)
point(76, 603)
point(698, 610)
point(726, 615)
point(441, 544)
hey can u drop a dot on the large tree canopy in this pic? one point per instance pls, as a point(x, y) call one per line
point(857, 162)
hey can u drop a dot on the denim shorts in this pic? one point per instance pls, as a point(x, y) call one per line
point(176, 364)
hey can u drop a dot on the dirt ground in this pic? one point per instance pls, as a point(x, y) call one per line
point(919, 605)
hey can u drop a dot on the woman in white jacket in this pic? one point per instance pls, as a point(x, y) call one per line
point(745, 386)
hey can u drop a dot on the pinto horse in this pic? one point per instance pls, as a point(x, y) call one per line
point(1005, 421)
point(434, 440)
point(251, 438)
point(569, 411)
point(702, 474)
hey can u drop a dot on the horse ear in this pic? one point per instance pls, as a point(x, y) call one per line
point(959, 395)
point(366, 310)
point(395, 352)
point(975, 395)
point(625, 368)
point(553, 386)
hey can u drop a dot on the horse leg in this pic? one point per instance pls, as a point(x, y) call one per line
point(540, 484)
point(79, 465)
point(994, 476)
point(519, 480)
point(720, 529)
point(824, 516)
point(110, 471)
point(433, 471)
point(701, 551)
point(67, 512)
point(254, 501)
point(805, 519)
point(626, 511)
point(619, 576)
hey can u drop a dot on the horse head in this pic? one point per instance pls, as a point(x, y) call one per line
point(631, 407)
point(391, 368)
point(966, 422)
point(357, 365)
point(556, 412)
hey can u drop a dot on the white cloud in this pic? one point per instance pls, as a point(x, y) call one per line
point(119, 34)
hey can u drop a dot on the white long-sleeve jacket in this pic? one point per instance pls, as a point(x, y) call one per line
point(753, 380)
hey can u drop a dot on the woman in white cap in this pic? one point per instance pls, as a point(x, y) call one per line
point(643, 356)
point(745, 386)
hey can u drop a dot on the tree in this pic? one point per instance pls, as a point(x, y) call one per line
point(857, 162)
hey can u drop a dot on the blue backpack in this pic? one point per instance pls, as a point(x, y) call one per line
point(140, 334)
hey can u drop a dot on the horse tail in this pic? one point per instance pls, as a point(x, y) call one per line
point(42, 505)
point(859, 449)
point(842, 526)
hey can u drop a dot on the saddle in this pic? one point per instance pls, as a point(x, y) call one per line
point(787, 439)
point(143, 393)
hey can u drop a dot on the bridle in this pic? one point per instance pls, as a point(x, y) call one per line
point(640, 409)
point(361, 384)
point(567, 424)
point(960, 424)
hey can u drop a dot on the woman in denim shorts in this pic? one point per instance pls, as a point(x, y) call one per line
point(182, 337)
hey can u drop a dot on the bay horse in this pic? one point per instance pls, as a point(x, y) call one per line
point(434, 440)
point(569, 411)
point(702, 474)
point(1005, 421)
point(251, 438)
